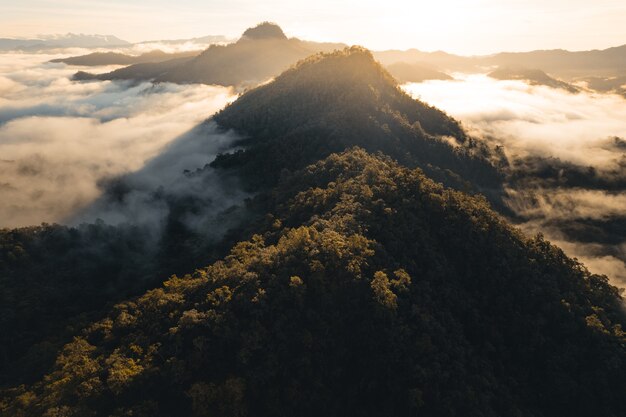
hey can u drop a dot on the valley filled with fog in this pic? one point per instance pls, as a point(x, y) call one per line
point(62, 141)
point(272, 225)
point(567, 153)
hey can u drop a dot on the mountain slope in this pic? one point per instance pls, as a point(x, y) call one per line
point(415, 72)
point(61, 41)
point(533, 77)
point(369, 290)
point(116, 58)
point(330, 102)
point(558, 62)
point(144, 71)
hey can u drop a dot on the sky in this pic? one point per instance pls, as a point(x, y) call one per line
point(459, 26)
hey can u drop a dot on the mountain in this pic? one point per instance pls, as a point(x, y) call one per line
point(439, 60)
point(136, 72)
point(533, 77)
point(261, 53)
point(415, 73)
point(615, 85)
point(351, 284)
point(265, 30)
point(367, 290)
point(116, 58)
point(333, 101)
point(61, 41)
point(563, 64)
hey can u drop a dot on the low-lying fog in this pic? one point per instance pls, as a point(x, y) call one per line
point(64, 145)
point(60, 141)
point(544, 129)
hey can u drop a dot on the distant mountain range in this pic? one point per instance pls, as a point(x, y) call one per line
point(532, 77)
point(199, 40)
point(115, 58)
point(261, 53)
point(415, 73)
point(264, 51)
point(72, 40)
point(560, 63)
point(62, 41)
point(358, 287)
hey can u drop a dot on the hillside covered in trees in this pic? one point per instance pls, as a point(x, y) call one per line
point(368, 290)
point(354, 282)
point(330, 102)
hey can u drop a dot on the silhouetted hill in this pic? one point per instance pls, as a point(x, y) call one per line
point(566, 63)
point(248, 61)
point(616, 85)
point(209, 39)
point(415, 73)
point(259, 55)
point(367, 290)
point(533, 77)
point(138, 72)
point(331, 102)
point(560, 63)
point(116, 58)
point(265, 30)
point(438, 60)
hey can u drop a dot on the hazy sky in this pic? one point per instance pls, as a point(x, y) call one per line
point(462, 26)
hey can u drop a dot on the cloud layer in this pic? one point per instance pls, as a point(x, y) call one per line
point(568, 157)
point(61, 141)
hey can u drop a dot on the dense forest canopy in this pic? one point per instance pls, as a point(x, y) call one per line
point(332, 101)
point(368, 290)
point(365, 277)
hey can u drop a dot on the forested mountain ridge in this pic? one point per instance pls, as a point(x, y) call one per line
point(354, 284)
point(332, 101)
point(369, 290)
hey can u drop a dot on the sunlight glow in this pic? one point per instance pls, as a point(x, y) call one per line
point(459, 26)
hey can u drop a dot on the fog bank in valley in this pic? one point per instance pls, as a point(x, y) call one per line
point(62, 142)
point(567, 154)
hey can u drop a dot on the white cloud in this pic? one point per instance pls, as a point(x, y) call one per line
point(542, 122)
point(60, 139)
point(532, 120)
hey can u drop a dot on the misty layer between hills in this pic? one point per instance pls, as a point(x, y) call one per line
point(567, 173)
point(62, 142)
point(65, 143)
point(358, 284)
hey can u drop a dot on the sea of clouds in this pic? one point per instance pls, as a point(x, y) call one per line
point(62, 142)
point(73, 152)
point(541, 127)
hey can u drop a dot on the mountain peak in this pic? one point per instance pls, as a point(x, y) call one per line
point(265, 30)
point(334, 101)
point(351, 67)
